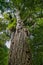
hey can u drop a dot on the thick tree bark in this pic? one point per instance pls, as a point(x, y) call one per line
point(19, 52)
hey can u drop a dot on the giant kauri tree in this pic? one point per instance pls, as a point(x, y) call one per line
point(20, 53)
point(25, 12)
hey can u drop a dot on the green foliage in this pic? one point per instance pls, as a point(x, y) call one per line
point(3, 38)
point(3, 5)
point(36, 43)
point(3, 55)
point(40, 21)
point(2, 26)
point(6, 16)
point(31, 12)
point(12, 24)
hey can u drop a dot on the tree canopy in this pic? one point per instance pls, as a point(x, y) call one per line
point(31, 13)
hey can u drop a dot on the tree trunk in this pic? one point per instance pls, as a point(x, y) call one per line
point(19, 51)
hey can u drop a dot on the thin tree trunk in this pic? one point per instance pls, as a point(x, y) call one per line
point(19, 51)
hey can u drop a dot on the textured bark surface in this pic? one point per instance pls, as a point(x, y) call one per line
point(20, 52)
